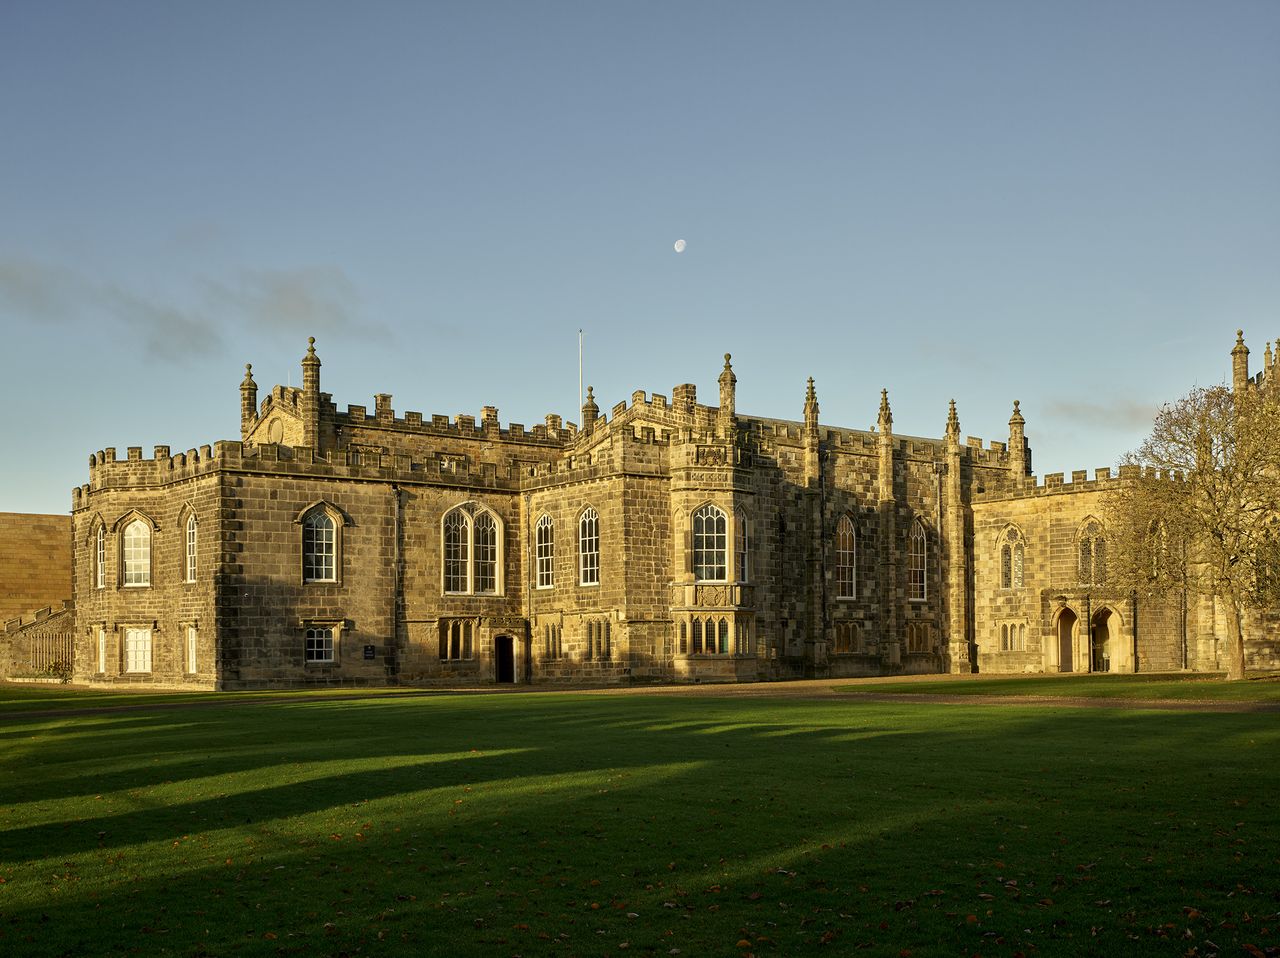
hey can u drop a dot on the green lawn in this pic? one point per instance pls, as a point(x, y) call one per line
point(589, 825)
point(1166, 686)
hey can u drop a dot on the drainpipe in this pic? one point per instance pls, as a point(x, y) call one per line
point(1183, 625)
point(1133, 598)
point(397, 587)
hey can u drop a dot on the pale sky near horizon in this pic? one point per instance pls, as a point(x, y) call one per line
point(1073, 204)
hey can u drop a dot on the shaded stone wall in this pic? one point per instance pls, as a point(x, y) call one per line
point(35, 562)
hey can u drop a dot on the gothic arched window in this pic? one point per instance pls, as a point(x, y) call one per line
point(471, 537)
point(917, 563)
point(1093, 554)
point(710, 544)
point(846, 560)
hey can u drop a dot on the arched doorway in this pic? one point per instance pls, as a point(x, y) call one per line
point(504, 659)
point(1066, 626)
point(1102, 655)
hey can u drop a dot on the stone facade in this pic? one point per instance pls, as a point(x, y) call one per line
point(666, 541)
point(35, 563)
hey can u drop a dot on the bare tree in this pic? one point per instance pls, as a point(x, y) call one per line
point(1201, 512)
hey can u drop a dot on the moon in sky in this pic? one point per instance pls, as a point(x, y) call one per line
point(680, 245)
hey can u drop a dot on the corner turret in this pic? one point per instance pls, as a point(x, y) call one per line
point(590, 412)
point(728, 383)
point(310, 405)
point(1017, 446)
point(248, 402)
point(1239, 364)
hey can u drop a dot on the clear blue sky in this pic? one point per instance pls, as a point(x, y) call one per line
point(1073, 204)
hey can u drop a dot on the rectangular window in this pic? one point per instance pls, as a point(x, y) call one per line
point(100, 553)
point(137, 650)
point(102, 651)
point(546, 553)
point(191, 650)
point(589, 548)
point(455, 639)
point(319, 647)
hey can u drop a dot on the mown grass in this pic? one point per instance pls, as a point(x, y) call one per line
point(1263, 688)
point(568, 824)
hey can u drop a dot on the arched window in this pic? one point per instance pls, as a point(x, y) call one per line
point(742, 546)
point(589, 547)
point(485, 576)
point(1093, 554)
point(696, 648)
point(471, 539)
point(545, 549)
point(684, 638)
point(710, 544)
point(917, 564)
point(457, 552)
point(319, 548)
point(724, 636)
point(191, 548)
point(1011, 560)
point(846, 560)
point(137, 555)
point(100, 558)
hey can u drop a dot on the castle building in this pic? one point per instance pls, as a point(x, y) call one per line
point(669, 541)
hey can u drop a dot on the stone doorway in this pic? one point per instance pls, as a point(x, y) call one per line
point(504, 659)
point(1066, 626)
point(1101, 654)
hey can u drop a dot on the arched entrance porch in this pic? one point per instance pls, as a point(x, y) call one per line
point(1065, 645)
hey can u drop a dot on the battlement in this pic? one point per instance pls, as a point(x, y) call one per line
point(551, 432)
point(39, 615)
point(1054, 483)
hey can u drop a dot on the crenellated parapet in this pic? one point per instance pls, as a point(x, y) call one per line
point(1055, 483)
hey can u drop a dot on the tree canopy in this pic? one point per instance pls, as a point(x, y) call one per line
point(1202, 513)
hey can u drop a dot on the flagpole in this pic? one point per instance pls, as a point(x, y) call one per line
point(580, 396)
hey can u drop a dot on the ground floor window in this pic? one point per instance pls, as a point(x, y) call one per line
point(456, 639)
point(551, 646)
point(191, 650)
point(715, 635)
point(846, 638)
point(137, 650)
point(1013, 636)
point(319, 643)
point(102, 651)
point(599, 644)
point(919, 637)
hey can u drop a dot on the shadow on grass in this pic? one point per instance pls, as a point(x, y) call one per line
point(789, 825)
